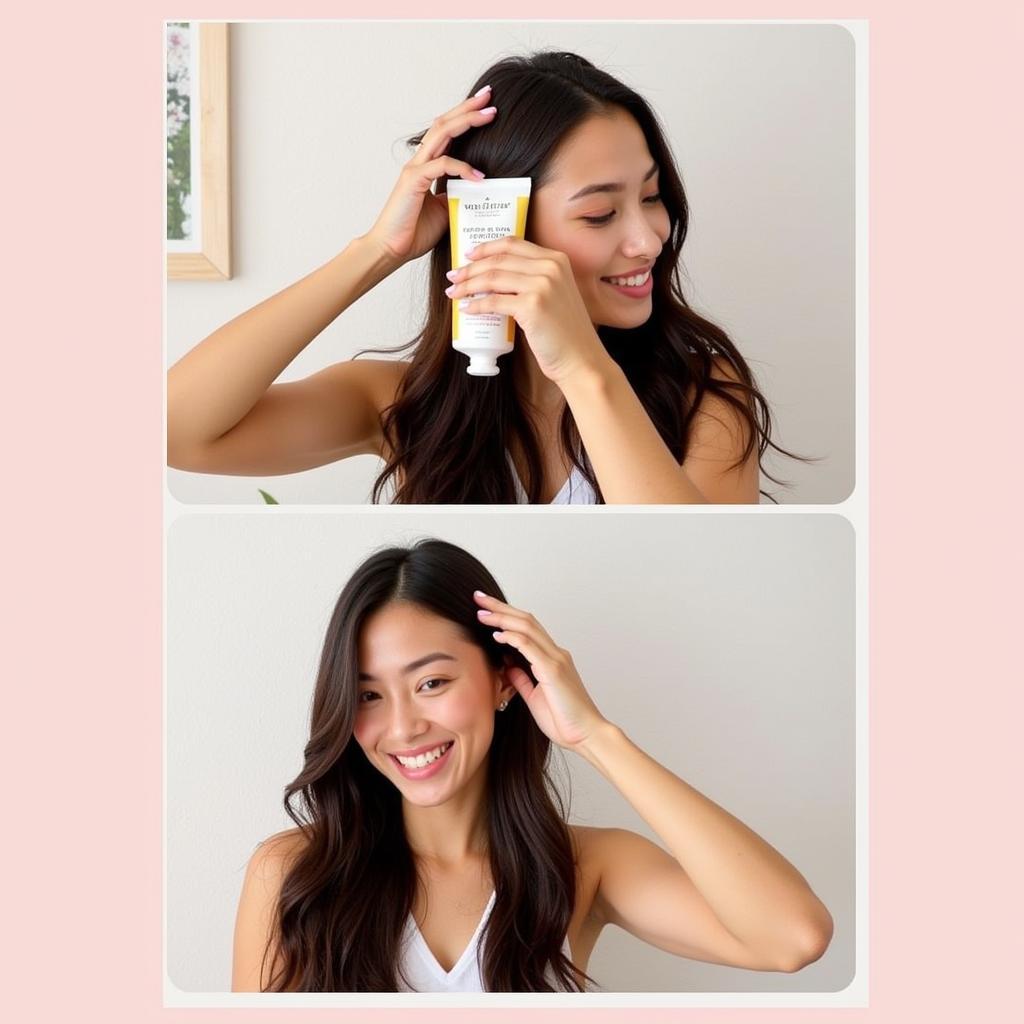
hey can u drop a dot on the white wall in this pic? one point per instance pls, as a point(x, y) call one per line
point(761, 121)
point(722, 644)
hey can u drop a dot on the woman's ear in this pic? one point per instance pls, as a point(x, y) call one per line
point(511, 680)
point(504, 691)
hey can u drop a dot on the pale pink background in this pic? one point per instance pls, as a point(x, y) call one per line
point(81, 430)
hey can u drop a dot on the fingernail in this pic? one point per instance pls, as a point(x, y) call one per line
point(452, 274)
point(483, 612)
point(489, 110)
point(478, 174)
point(469, 256)
point(463, 303)
point(449, 291)
point(480, 92)
point(479, 593)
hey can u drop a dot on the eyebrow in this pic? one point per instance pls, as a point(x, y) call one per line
point(610, 186)
point(365, 677)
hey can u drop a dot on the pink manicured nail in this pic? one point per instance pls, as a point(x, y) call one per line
point(452, 274)
point(489, 110)
point(482, 612)
point(469, 256)
point(478, 174)
point(450, 291)
point(486, 88)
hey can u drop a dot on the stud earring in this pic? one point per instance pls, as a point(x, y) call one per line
point(503, 705)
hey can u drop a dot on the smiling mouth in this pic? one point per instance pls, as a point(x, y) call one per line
point(632, 281)
point(424, 764)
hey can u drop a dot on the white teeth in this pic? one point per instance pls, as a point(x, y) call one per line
point(630, 282)
point(422, 760)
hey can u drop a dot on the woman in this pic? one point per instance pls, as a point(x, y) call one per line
point(430, 855)
point(612, 394)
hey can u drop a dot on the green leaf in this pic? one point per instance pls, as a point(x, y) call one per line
point(268, 499)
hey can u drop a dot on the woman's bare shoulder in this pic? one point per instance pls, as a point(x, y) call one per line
point(274, 857)
point(255, 922)
point(370, 384)
point(592, 848)
point(601, 851)
point(595, 848)
point(593, 845)
point(379, 379)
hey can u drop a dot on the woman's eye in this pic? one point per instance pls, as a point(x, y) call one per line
point(604, 218)
point(368, 696)
point(433, 684)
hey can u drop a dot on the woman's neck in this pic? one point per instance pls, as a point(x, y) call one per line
point(451, 834)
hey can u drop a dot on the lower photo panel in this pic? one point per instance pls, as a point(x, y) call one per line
point(634, 772)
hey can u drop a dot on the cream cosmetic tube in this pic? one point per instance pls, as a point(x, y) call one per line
point(481, 211)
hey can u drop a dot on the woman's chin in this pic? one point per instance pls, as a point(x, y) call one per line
point(627, 321)
point(425, 799)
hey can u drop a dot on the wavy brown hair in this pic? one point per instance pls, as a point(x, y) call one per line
point(449, 434)
point(345, 901)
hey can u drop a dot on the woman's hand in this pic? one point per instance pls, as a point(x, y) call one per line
point(536, 287)
point(559, 703)
point(413, 219)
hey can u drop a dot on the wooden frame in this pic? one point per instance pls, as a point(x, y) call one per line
point(212, 262)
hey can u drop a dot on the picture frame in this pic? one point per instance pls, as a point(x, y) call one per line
point(206, 254)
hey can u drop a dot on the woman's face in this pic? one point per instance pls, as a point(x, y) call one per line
point(426, 705)
point(601, 207)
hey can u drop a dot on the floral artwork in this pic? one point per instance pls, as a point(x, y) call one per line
point(179, 124)
point(198, 147)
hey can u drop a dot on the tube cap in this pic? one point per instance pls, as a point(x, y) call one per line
point(483, 365)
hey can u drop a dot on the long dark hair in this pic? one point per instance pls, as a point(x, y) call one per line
point(345, 901)
point(448, 434)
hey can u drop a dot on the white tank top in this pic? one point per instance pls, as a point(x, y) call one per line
point(575, 491)
point(423, 973)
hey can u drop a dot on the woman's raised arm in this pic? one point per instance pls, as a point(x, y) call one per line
point(724, 894)
point(224, 415)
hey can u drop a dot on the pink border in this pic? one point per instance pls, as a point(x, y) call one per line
point(82, 900)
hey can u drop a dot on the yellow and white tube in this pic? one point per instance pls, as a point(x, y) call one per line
point(481, 211)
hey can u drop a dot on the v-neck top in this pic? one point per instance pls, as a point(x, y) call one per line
point(422, 972)
point(575, 491)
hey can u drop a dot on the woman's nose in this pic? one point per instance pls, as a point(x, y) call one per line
point(640, 238)
point(406, 721)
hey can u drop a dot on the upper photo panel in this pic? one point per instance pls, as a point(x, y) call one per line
point(510, 263)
